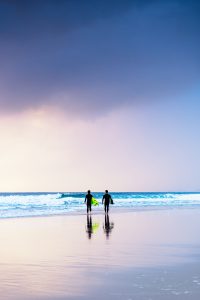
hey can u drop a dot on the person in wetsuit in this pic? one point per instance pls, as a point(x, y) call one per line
point(88, 201)
point(106, 200)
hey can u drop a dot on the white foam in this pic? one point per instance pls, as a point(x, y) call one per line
point(18, 205)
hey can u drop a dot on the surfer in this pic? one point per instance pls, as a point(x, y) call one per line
point(88, 201)
point(106, 200)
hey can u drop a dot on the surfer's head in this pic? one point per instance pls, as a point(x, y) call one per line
point(88, 191)
point(106, 191)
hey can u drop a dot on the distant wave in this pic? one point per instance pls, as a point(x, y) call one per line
point(39, 204)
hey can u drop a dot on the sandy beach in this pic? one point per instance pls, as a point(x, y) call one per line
point(146, 254)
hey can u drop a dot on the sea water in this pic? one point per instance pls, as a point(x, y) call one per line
point(40, 204)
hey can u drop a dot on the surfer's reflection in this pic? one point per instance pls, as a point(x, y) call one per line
point(91, 227)
point(108, 226)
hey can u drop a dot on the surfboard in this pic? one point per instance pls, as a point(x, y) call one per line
point(94, 202)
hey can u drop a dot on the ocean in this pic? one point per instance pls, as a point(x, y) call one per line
point(14, 205)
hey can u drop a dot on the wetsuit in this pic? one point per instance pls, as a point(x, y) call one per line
point(88, 200)
point(106, 198)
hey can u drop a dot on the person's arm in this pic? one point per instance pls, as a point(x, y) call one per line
point(85, 198)
point(102, 199)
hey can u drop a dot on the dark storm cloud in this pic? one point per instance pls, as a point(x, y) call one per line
point(85, 55)
point(38, 17)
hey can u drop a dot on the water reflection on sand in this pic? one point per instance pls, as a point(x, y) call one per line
point(93, 226)
point(64, 256)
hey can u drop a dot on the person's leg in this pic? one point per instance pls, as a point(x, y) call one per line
point(105, 208)
point(90, 207)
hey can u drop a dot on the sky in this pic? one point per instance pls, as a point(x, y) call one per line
point(99, 95)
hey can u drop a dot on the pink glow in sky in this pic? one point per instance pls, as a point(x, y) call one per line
point(135, 149)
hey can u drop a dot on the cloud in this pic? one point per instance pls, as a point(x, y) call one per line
point(93, 56)
point(35, 17)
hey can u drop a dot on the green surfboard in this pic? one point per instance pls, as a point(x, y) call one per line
point(94, 202)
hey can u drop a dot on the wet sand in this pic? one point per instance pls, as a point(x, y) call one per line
point(133, 255)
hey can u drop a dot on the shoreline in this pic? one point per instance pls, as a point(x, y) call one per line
point(114, 210)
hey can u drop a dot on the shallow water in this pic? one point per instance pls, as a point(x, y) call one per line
point(125, 257)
